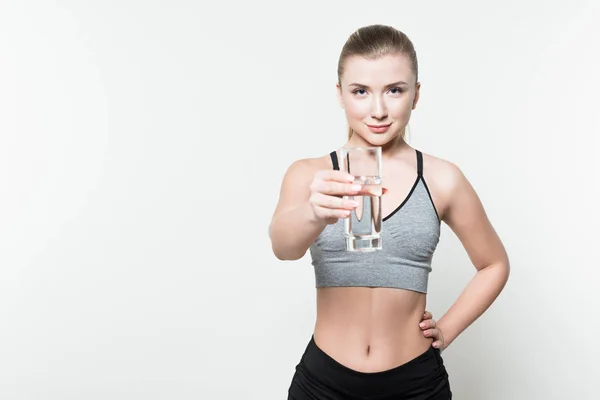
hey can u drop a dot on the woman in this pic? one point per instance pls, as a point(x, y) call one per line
point(366, 341)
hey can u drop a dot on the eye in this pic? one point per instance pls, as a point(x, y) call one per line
point(359, 91)
point(396, 90)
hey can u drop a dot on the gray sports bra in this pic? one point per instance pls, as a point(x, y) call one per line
point(409, 235)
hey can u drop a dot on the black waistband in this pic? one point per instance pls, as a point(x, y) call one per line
point(415, 373)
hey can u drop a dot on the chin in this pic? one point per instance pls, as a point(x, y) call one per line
point(380, 139)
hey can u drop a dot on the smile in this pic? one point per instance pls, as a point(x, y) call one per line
point(378, 128)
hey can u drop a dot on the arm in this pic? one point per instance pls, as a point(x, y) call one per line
point(466, 217)
point(294, 226)
point(309, 200)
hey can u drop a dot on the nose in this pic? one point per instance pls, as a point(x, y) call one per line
point(378, 109)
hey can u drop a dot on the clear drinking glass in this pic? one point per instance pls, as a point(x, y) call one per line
point(363, 227)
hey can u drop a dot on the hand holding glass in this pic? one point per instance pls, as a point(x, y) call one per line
point(363, 227)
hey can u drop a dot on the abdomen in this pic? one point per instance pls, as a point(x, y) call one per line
point(370, 329)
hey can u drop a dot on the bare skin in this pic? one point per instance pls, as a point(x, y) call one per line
point(375, 329)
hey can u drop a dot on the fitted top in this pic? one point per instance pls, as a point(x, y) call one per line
point(409, 237)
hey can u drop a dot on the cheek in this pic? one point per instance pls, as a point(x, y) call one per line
point(401, 110)
point(356, 109)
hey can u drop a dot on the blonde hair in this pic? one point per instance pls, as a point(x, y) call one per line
point(375, 41)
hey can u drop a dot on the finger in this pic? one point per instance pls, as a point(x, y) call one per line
point(325, 201)
point(335, 176)
point(336, 188)
point(437, 344)
point(371, 190)
point(328, 213)
point(426, 317)
point(427, 324)
point(432, 333)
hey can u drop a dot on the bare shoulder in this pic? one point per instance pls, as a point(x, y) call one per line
point(464, 213)
point(444, 178)
point(305, 168)
point(295, 186)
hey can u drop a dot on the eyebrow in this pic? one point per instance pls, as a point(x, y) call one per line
point(399, 83)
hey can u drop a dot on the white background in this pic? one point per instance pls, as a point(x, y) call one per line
point(142, 145)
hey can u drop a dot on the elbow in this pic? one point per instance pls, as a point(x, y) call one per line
point(506, 271)
point(502, 269)
point(283, 248)
point(285, 253)
point(505, 265)
point(498, 271)
point(288, 255)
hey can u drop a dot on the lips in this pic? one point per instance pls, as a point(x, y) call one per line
point(378, 128)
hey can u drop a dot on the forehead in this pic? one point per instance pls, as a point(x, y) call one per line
point(378, 72)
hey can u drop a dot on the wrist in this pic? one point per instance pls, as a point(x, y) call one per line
point(445, 337)
point(442, 339)
point(312, 217)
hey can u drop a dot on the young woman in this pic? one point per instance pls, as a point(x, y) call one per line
point(367, 342)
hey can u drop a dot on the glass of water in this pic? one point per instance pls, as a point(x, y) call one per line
point(363, 227)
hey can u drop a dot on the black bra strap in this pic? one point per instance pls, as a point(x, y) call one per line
point(334, 160)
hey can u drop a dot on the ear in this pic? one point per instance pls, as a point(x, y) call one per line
point(417, 92)
point(339, 94)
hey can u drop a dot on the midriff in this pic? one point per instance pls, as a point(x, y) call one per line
point(370, 329)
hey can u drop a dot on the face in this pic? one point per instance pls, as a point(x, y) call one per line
point(378, 96)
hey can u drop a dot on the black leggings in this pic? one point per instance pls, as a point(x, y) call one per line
point(318, 376)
